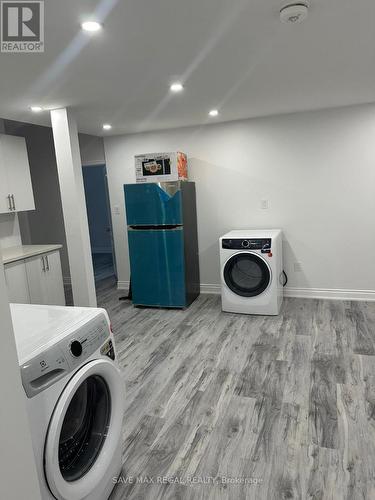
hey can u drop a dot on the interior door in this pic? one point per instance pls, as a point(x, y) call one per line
point(100, 221)
point(16, 162)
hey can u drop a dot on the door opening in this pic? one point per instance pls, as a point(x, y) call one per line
point(100, 221)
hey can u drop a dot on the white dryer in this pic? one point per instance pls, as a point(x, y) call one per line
point(252, 271)
point(75, 398)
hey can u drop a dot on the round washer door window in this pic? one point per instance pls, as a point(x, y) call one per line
point(85, 432)
point(247, 274)
point(84, 428)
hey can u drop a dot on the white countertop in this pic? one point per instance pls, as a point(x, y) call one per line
point(22, 252)
point(37, 327)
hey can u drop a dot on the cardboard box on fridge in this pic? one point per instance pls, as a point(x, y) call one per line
point(161, 167)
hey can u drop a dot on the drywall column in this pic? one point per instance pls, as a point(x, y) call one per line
point(18, 475)
point(68, 159)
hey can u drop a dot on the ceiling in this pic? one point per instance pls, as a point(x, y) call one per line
point(233, 55)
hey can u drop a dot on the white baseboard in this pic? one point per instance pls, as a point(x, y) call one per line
point(304, 293)
point(210, 288)
point(330, 294)
point(123, 285)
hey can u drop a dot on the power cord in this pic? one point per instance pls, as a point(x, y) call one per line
point(286, 278)
point(130, 295)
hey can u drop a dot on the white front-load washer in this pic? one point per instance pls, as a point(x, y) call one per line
point(251, 265)
point(74, 397)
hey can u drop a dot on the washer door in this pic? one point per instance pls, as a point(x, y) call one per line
point(85, 430)
point(247, 274)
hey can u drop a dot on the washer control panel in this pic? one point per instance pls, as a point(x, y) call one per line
point(263, 244)
point(69, 353)
point(85, 341)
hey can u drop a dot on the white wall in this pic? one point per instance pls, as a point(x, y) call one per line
point(18, 476)
point(317, 170)
point(69, 167)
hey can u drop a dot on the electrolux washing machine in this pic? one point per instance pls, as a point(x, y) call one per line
point(252, 271)
point(75, 398)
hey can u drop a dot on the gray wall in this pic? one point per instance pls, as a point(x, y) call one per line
point(10, 235)
point(46, 224)
point(92, 149)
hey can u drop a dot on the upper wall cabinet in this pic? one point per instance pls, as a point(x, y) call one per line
point(16, 192)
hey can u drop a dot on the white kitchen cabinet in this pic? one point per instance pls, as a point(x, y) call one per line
point(33, 274)
point(5, 206)
point(45, 279)
point(36, 276)
point(17, 283)
point(55, 284)
point(16, 192)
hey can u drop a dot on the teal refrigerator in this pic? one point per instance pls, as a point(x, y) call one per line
point(163, 243)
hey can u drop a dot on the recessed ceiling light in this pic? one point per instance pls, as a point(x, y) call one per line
point(36, 109)
point(91, 26)
point(213, 112)
point(176, 87)
point(107, 126)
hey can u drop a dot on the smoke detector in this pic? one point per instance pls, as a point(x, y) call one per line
point(294, 13)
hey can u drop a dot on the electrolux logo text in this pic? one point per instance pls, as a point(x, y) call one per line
point(22, 26)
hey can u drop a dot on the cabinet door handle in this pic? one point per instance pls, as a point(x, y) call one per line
point(44, 265)
point(10, 202)
point(14, 205)
point(47, 262)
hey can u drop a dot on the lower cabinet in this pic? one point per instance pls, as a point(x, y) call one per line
point(43, 280)
point(17, 283)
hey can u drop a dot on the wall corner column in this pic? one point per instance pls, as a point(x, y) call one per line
point(68, 159)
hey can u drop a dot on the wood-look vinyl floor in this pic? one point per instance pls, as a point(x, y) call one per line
point(284, 407)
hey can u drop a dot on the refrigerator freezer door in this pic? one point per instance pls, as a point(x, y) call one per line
point(153, 204)
point(157, 267)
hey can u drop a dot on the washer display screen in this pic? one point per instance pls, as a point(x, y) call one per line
point(247, 274)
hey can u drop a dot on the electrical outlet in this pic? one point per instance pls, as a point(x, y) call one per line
point(297, 267)
point(264, 204)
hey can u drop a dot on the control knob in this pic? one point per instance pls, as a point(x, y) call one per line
point(245, 243)
point(76, 348)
